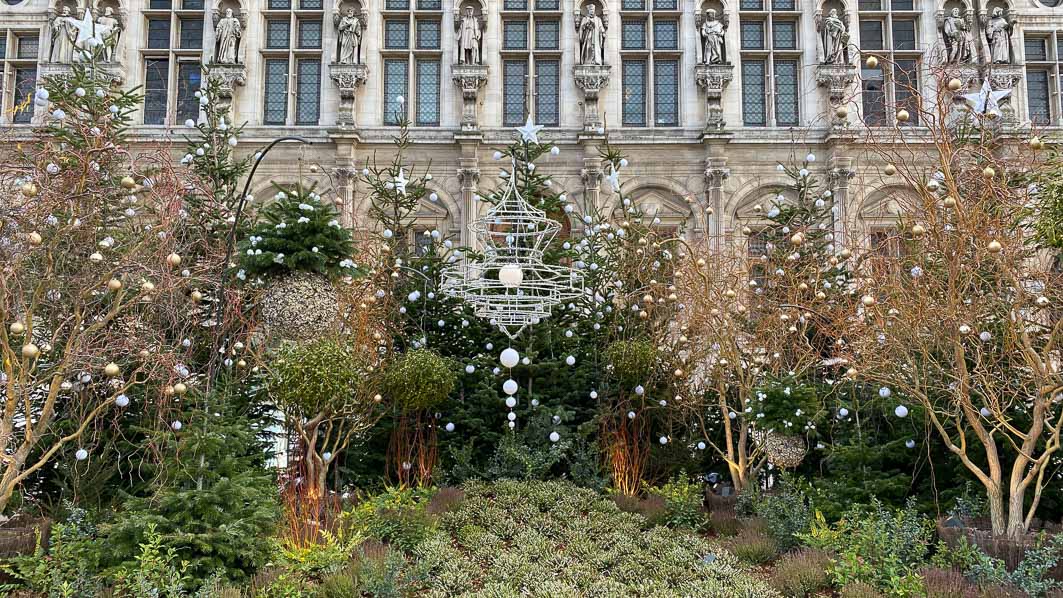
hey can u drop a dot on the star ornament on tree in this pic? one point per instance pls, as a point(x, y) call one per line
point(86, 37)
point(985, 100)
point(400, 182)
point(613, 178)
point(530, 131)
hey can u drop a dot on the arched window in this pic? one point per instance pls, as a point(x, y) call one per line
point(173, 55)
point(889, 30)
point(412, 65)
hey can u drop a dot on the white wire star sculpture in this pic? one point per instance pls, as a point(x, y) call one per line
point(985, 100)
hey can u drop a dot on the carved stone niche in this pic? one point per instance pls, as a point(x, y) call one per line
point(1006, 76)
point(838, 79)
point(469, 72)
point(709, 19)
point(474, 54)
point(356, 9)
point(596, 52)
point(220, 11)
point(591, 79)
point(348, 78)
point(957, 35)
point(110, 22)
point(713, 78)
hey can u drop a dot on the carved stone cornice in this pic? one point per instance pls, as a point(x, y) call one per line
point(841, 171)
point(591, 174)
point(112, 72)
point(347, 78)
point(469, 176)
point(713, 78)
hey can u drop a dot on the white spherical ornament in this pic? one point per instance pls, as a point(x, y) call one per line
point(121, 401)
point(985, 337)
point(509, 357)
point(843, 412)
point(511, 275)
point(81, 455)
point(663, 440)
point(965, 329)
point(526, 360)
point(909, 443)
point(884, 392)
point(701, 446)
point(176, 426)
point(810, 158)
point(594, 394)
point(511, 402)
point(901, 411)
point(554, 437)
point(449, 427)
point(470, 369)
point(631, 415)
point(639, 390)
point(497, 156)
point(570, 360)
point(510, 387)
point(985, 412)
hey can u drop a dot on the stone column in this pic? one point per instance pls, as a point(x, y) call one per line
point(348, 78)
point(591, 173)
point(716, 172)
point(346, 179)
point(469, 177)
point(841, 171)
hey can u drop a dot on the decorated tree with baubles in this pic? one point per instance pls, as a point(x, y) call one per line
point(89, 271)
point(963, 327)
point(759, 323)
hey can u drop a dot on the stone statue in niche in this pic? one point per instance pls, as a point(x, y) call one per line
point(834, 37)
point(227, 33)
point(997, 29)
point(349, 37)
point(64, 37)
point(958, 41)
point(712, 33)
point(590, 29)
point(109, 29)
point(470, 33)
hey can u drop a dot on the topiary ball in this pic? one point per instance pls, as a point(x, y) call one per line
point(325, 376)
point(300, 306)
point(634, 362)
point(418, 380)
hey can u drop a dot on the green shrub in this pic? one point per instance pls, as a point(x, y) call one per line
point(859, 589)
point(802, 573)
point(380, 572)
point(753, 545)
point(156, 572)
point(297, 232)
point(397, 517)
point(633, 362)
point(1031, 576)
point(683, 500)
point(562, 540)
point(724, 523)
point(338, 585)
point(785, 405)
point(786, 512)
point(876, 546)
point(324, 376)
point(70, 564)
point(419, 379)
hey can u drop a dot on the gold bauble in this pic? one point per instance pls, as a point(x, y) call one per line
point(35, 238)
point(114, 284)
point(30, 351)
point(955, 84)
point(950, 202)
point(918, 230)
point(842, 112)
point(196, 296)
point(643, 314)
point(377, 398)
point(821, 295)
point(710, 211)
point(867, 300)
point(29, 189)
point(802, 287)
point(174, 260)
point(128, 182)
point(112, 370)
point(147, 286)
point(851, 372)
point(729, 292)
point(903, 116)
point(168, 391)
point(647, 299)
point(845, 254)
point(673, 297)
point(678, 373)
point(241, 364)
point(890, 170)
point(747, 231)
point(989, 172)
point(797, 239)
point(871, 62)
point(96, 257)
point(994, 246)
point(17, 328)
point(144, 354)
point(1037, 144)
point(180, 388)
point(701, 262)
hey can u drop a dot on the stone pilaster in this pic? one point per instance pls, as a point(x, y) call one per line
point(591, 173)
point(345, 179)
point(469, 177)
point(348, 78)
point(716, 172)
point(841, 172)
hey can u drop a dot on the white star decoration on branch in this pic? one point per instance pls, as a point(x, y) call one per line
point(985, 100)
point(530, 131)
point(86, 36)
point(400, 182)
point(613, 177)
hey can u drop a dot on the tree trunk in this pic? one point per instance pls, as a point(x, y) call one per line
point(1017, 512)
point(996, 507)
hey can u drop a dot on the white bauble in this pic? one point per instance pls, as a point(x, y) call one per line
point(509, 357)
point(81, 455)
point(510, 387)
point(511, 275)
point(554, 437)
point(511, 402)
point(570, 360)
point(901, 411)
point(449, 427)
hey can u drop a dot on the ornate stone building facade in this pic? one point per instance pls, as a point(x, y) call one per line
point(704, 96)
